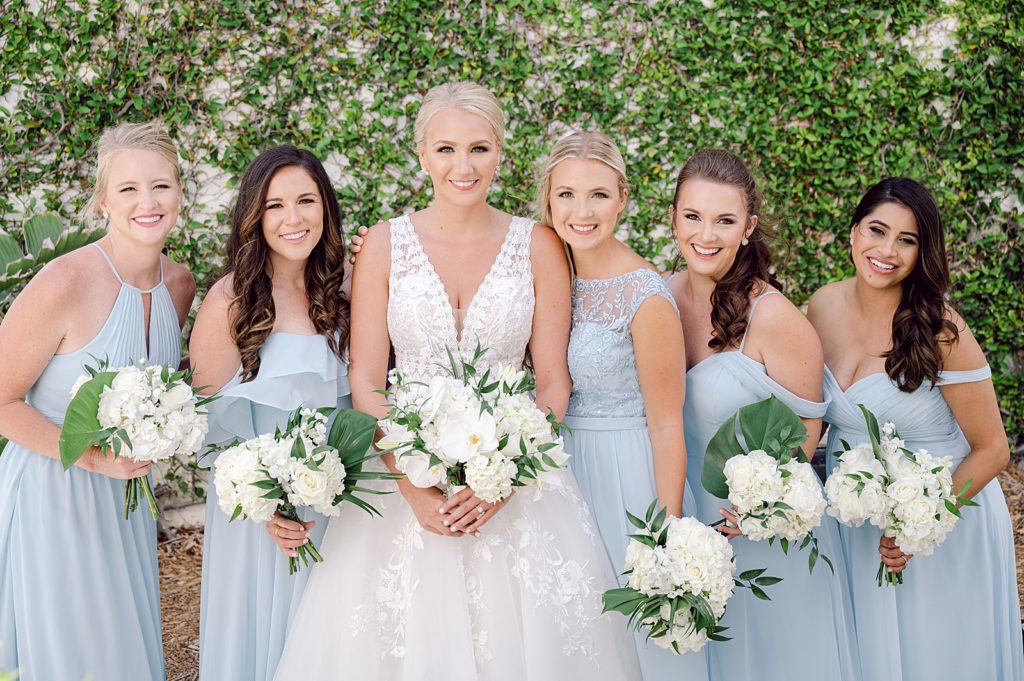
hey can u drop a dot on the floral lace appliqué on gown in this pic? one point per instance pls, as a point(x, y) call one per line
point(522, 601)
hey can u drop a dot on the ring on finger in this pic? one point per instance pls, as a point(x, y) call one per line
point(480, 510)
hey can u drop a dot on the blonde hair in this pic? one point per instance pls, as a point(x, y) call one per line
point(151, 135)
point(588, 145)
point(472, 97)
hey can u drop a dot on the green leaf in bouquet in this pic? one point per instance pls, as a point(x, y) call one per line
point(645, 539)
point(752, 574)
point(723, 446)
point(352, 434)
point(767, 581)
point(298, 449)
point(80, 421)
point(874, 433)
point(659, 521)
point(951, 507)
point(772, 426)
point(845, 444)
point(759, 592)
point(238, 512)
point(784, 543)
point(624, 600)
point(650, 511)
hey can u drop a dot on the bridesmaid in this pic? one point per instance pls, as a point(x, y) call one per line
point(744, 342)
point(891, 339)
point(79, 586)
point(626, 362)
point(269, 337)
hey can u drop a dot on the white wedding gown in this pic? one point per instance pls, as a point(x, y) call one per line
point(394, 602)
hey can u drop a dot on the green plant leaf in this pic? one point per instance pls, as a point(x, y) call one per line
point(80, 422)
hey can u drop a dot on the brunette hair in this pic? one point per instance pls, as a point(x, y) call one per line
point(920, 324)
point(752, 269)
point(252, 310)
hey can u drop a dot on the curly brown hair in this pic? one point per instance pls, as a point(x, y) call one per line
point(920, 325)
point(252, 310)
point(752, 269)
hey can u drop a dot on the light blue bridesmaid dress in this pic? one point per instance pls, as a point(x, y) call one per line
point(248, 598)
point(806, 632)
point(609, 443)
point(956, 616)
point(79, 585)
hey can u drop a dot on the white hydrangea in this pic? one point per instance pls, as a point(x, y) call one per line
point(694, 560)
point(904, 494)
point(453, 429)
point(757, 484)
point(159, 418)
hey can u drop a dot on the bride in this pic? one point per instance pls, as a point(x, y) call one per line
point(460, 590)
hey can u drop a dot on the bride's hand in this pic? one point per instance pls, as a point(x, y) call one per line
point(427, 504)
point(288, 534)
point(467, 513)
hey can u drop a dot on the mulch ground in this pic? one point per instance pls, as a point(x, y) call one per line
point(181, 561)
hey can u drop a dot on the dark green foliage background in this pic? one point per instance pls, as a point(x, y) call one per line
point(820, 97)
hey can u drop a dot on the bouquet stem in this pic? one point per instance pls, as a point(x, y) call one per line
point(131, 496)
point(886, 576)
point(307, 552)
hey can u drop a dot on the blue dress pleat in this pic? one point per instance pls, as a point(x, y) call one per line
point(957, 614)
point(79, 585)
point(610, 445)
point(248, 597)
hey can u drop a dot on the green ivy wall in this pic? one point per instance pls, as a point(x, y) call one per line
point(823, 99)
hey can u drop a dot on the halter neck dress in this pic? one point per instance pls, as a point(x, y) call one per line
point(79, 586)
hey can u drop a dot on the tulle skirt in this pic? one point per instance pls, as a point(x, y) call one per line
point(394, 602)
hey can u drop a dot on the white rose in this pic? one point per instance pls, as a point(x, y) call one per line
point(308, 486)
point(176, 397)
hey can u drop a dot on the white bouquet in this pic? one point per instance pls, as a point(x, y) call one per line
point(143, 412)
point(680, 579)
point(277, 473)
point(472, 429)
point(774, 492)
point(908, 495)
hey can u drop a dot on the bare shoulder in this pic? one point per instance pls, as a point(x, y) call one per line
point(221, 294)
point(65, 279)
point(377, 241)
point(777, 319)
point(825, 298)
point(545, 240)
point(965, 352)
point(214, 317)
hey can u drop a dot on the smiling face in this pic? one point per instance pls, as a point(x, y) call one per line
point(461, 155)
point(710, 222)
point(585, 202)
point(293, 215)
point(885, 245)
point(142, 196)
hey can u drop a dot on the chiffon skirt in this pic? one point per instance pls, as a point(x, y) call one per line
point(79, 585)
point(614, 467)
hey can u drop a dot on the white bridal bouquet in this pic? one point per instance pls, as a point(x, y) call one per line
point(303, 465)
point(775, 493)
point(143, 412)
point(680, 579)
point(908, 495)
point(472, 429)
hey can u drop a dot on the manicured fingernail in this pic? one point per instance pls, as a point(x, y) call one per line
point(445, 523)
point(440, 509)
point(476, 534)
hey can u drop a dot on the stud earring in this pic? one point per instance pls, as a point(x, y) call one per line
point(745, 241)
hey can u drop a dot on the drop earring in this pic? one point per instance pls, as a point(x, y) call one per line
point(745, 241)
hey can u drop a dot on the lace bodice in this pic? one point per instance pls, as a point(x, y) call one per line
point(420, 318)
point(601, 358)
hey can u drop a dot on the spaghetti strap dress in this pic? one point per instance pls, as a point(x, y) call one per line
point(806, 632)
